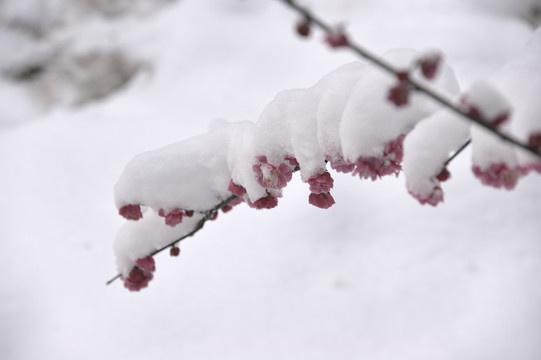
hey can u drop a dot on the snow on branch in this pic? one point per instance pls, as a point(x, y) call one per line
point(336, 37)
point(356, 119)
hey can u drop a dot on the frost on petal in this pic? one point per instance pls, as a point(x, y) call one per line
point(323, 201)
point(131, 212)
point(321, 183)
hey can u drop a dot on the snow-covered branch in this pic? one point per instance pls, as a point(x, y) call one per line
point(356, 119)
point(336, 37)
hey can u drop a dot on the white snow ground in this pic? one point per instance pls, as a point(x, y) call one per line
point(377, 276)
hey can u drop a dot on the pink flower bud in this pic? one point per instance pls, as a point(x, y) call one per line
point(303, 27)
point(267, 202)
point(399, 94)
point(323, 201)
point(434, 198)
point(131, 212)
point(321, 183)
point(236, 189)
point(174, 251)
point(534, 140)
point(444, 175)
point(429, 64)
point(174, 217)
point(140, 275)
point(337, 38)
point(146, 263)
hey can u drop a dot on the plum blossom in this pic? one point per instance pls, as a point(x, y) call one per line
point(236, 189)
point(433, 198)
point(141, 274)
point(337, 38)
point(399, 94)
point(267, 202)
point(131, 212)
point(341, 165)
point(270, 176)
point(375, 167)
point(323, 200)
point(321, 183)
point(429, 64)
point(498, 175)
point(173, 218)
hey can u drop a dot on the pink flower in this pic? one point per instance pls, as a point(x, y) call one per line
point(534, 140)
point(292, 161)
point(340, 165)
point(174, 251)
point(444, 175)
point(131, 212)
point(375, 167)
point(140, 275)
point(394, 149)
point(434, 198)
point(146, 264)
point(498, 175)
point(337, 38)
point(267, 202)
point(429, 64)
point(236, 189)
point(174, 217)
point(232, 204)
point(323, 201)
point(270, 176)
point(475, 112)
point(399, 94)
point(303, 27)
point(321, 183)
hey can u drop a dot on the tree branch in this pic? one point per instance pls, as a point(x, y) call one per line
point(209, 214)
point(330, 31)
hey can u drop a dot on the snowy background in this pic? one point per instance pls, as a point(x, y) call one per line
point(86, 85)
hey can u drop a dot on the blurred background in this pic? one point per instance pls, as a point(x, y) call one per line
point(86, 85)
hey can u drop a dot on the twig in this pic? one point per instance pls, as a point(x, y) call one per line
point(209, 214)
point(329, 30)
point(465, 145)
